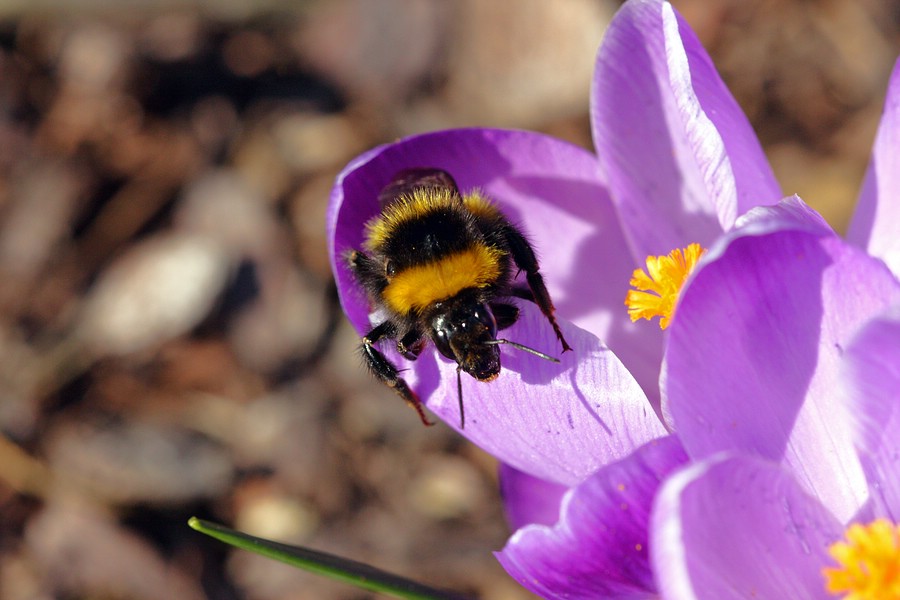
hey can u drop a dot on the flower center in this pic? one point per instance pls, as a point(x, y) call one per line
point(656, 289)
point(869, 563)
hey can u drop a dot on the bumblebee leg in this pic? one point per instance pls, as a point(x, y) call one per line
point(505, 314)
point(358, 260)
point(523, 256)
point(523, 292)
point(385, 371)
point(411, 345)
point(368, 272)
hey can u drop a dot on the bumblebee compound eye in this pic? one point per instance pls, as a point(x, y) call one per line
point(390, 269)
point(483, 319)
point(443, 330)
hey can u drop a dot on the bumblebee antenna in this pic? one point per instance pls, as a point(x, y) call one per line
point(462, 411)
point(521, 347)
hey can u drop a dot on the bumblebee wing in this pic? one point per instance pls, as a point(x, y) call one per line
point(411, 179)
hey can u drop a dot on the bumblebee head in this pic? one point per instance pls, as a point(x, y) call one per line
point(464, 330)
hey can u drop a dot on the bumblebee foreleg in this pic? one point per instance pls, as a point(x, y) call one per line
point(367, 271)
point(523, 256)
point(385, 371)
point(411, 344)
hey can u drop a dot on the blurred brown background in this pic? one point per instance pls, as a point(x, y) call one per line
point(169, 345)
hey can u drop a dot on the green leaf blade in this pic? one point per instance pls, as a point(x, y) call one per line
point(329, 565)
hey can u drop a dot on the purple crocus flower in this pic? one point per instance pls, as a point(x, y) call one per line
point(736, 526)
point(590, 224)
point(557, 422)
point(753, 385)
point(751, 374)
point(750, 383)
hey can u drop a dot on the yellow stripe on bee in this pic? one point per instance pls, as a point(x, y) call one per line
point(417, 287)
point(479, 204)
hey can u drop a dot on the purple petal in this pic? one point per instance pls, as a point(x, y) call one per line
point(528, 500)
point(790, 213)
point(558, 422)
point(554, 191)
point(876, 223)
point(681, 158)
point(872, 383)
point(599, 547)
point(739, 528)
point(754, 350)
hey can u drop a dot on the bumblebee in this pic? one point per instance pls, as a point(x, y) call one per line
point(439, 265)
